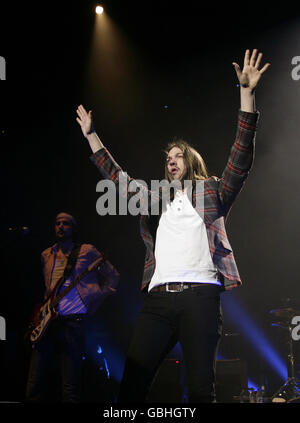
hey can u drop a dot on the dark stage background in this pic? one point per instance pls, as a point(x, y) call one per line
point(149, 72)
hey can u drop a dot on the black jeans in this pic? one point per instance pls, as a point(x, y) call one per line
point(193, 317)
point(64, 339)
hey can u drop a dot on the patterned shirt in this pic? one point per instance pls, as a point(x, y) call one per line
point(218, 194)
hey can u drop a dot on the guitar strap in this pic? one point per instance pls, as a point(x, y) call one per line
point(71, 261)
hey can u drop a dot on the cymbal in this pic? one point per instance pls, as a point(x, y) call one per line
point(285, 313)
point(282, 325)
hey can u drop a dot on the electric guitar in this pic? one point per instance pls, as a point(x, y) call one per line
point(44, 313)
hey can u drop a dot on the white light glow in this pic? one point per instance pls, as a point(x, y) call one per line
point(99, 10)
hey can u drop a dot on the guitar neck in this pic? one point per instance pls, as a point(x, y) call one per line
point(96, 263)
point(68, 288)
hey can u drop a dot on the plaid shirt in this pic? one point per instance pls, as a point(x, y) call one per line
point(219, 195)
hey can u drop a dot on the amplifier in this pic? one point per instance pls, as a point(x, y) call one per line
point(231, 379)
point(168, 385)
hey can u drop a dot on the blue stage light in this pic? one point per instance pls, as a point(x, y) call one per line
point(252, 385)
point(107, 369)
point(246, 325)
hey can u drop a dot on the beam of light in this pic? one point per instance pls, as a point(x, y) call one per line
point(114, 81)
point(240, 318)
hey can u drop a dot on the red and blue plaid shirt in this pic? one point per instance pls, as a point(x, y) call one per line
point(219, 195)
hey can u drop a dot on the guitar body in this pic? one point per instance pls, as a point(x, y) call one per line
point(43, 314)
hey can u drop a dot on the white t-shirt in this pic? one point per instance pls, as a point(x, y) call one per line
point(181, 249)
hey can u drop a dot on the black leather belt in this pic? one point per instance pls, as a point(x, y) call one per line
point(79, 316)
point(178, 286)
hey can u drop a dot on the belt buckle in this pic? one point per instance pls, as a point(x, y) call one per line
point(174, 290)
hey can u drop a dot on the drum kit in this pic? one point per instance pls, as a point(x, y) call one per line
point(289, 392)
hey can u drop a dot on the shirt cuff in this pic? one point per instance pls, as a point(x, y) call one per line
point(250, 119)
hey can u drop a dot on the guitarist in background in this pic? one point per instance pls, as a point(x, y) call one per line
point(65, 335)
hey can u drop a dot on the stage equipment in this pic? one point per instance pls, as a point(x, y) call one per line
point(290, 390)
point(231, 380)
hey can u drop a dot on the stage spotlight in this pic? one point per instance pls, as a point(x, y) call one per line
point(99, 10)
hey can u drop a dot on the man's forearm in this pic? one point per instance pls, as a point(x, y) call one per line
point(247, 100)
point(95, 142)
point(240, 159)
